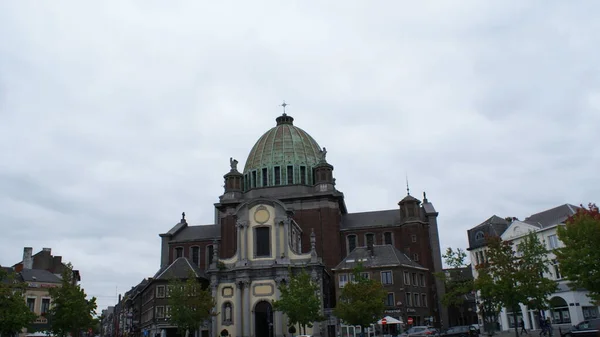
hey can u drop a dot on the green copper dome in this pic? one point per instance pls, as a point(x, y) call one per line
point(284, 155)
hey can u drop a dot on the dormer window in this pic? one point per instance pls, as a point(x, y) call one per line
point(479, 236)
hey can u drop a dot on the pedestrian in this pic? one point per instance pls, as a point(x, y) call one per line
point(549, 326)
point(522, 326)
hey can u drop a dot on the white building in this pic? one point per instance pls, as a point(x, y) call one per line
point(568, 306)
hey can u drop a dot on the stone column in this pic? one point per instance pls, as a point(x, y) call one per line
point(286, 240)
point(247, 308)
point(237, 319)
point(240, 252)
point(278, 319)
point(277, 241)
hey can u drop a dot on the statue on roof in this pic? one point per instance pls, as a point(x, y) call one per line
point(233, 163)
point(323, 154)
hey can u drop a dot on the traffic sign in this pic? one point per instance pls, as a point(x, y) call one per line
point(383, 321)
point(410, 320)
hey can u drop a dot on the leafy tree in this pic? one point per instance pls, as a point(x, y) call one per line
point(361, 301)
point(457, 285)
point(191, 304)
point(14, 312)
point(511, 277)
point(300, 300)
point(71, 311)
point(580, 257)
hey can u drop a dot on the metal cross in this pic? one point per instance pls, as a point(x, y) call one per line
point(284, 104)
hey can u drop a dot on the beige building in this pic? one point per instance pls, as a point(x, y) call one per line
point(37, 296)
point(246, 284)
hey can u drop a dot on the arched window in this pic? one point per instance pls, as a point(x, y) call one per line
point(479, 236)
point(195, 255)
point(209, 255)
point(388, 238)
point(178, 252)
point(227, 313)
point(351, 242)
point(370, 239)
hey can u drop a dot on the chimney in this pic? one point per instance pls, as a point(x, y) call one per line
point(27, 258)
point(49, 250)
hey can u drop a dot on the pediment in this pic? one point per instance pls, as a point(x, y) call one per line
point(517, 229)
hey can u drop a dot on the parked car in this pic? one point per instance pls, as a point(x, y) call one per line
point(419, 331)
point(461, 331)
point(587, 328)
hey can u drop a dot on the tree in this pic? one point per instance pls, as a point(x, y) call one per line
point(511, 277)
point(580, 257)
point(71, 311)
point(14, 312)
point(300, 300)
point(361, 301)
point(191, 303)
point(457, 285)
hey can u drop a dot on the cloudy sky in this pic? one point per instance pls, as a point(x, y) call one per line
point(117, 116)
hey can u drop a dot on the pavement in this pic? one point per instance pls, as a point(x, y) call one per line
point(532, 333)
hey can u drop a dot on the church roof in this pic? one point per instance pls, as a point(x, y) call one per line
point(383, 256)
point(283, 145)
point(371, 219)
point(199, 232)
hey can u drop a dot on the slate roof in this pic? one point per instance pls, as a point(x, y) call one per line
point(552, 216)
point(178, 269)
point(199, 232)
point(39, 275)
point(494, 225)
point(384, 255)
point(371, 219)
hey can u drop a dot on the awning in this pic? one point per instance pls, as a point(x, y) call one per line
point(390, 320)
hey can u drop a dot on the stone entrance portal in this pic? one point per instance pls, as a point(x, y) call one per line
point(263, 319)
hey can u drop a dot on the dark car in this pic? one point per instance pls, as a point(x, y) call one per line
point(461, 331)
point(587, 328)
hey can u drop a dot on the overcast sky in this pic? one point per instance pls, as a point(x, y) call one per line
point(116, 116)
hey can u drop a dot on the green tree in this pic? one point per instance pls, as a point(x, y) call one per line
point(71, 311)
point(300, 300)
point(362, 301)
point(580, 257)
point(457, 284)
point(14, 312)
point(511, 277)
point(191, 304)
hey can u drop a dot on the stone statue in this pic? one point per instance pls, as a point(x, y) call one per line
point(323, 153)
point(233, 163)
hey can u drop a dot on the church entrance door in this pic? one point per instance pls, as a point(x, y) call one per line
point(263, 319)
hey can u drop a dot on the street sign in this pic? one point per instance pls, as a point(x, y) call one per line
point(410, 320)
point(383, 321)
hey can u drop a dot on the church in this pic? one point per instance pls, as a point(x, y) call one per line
point(283, 212)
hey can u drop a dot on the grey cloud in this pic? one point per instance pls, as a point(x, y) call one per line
point(115, 117)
